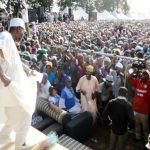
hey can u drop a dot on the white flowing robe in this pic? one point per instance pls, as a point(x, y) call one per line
point(89, 86)
point(22, 89)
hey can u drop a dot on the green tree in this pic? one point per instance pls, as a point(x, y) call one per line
point(66, 3)
point(125, 7)
point(47, 4)
point(100, 5)
point(15, 6)
point(90, 6)
point(108, 5)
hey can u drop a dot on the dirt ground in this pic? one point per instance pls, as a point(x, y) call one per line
point(102, 135)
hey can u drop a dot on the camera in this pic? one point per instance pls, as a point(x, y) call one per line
point(136, 68)
point(139, 64)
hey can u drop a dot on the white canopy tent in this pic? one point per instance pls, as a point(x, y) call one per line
point(79, 13)
point(119, 16)
point(129, 15)
point(122, 16)
point(114, 13)
point(65, 11)
point(105, 15)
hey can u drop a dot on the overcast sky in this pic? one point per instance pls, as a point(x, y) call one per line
point(140, 5)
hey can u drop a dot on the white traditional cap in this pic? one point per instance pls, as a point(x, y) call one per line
point(138, 48)
point(17, 22)
point(119, 65)
point(54, 57)
point(109, 78)
point(120, 43)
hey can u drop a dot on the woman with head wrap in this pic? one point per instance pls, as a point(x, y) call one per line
point(80, 68)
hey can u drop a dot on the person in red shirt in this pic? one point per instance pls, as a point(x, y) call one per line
point(141, 103)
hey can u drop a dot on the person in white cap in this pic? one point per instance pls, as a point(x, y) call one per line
point(88, 88)
point(118, 77)
point(106, 90)
point(17, 94)
point(17, 28)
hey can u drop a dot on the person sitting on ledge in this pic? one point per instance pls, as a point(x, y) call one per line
point(68, 100)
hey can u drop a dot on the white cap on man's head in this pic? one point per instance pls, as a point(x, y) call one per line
point(17, 22)
point(109, 78)
point(119, 65)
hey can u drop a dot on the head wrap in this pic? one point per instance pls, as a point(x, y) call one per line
point(79, 57)
point(90, 68)
point(48, 63)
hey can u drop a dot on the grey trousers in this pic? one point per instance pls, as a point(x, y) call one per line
point(141, 120)
point(117, 141)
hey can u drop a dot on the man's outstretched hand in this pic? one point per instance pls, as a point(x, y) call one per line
point(6, 80)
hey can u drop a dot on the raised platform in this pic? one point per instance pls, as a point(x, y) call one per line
point(33, 137)
point(71, 144)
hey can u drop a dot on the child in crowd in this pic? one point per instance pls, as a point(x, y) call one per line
point(54, 99)
point(53, 96)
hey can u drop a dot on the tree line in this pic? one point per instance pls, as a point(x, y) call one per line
point(88, 5)
point(99, 5)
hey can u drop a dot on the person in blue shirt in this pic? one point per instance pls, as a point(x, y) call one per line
point(61, 77)
point(68, 100)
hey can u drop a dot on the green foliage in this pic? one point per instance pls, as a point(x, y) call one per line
point(47, 4)
point(15, 6)
point(90, 6)
point(100, 5)
point(66, 3)
point(125, 7)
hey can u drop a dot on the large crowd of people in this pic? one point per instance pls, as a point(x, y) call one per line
point(86, 67)
point(98, 58)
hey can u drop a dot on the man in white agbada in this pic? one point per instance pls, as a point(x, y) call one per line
point(88, 86)
point(17, 91)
